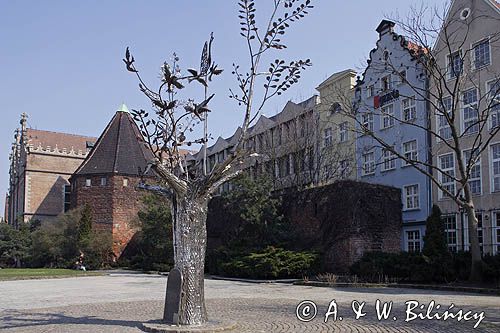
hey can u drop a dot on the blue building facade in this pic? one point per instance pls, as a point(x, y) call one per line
point(390, 101)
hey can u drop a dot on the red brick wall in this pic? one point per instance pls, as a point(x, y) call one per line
point(347, 219)
point(114, 206)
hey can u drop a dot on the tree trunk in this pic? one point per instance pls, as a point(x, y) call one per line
point(190, 239)
point(475, 251)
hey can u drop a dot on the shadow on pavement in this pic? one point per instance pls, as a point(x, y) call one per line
point(11, 319)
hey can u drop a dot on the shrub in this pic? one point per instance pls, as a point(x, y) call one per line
point(271, 263)
point(151, 249)
point(14, 245)
point(492, 269)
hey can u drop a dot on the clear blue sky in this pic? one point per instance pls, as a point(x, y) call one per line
point(61, 60)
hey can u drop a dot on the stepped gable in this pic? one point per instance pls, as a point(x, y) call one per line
point(120, 149)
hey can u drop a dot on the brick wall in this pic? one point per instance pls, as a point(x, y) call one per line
point(342, 220)
point(346, 219)
point(114, 206)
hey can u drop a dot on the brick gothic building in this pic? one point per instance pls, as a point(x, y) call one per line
point(40, 164)
point(108, 177)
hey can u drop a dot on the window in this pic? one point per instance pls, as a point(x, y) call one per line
point(446, 177)
point(494, 102)
point(368, 163)
point(495, 167)
point(328, 137)
point(103, 181)
point(413, 240)
point(387, 116)
point(410, 151)
point(479, 216)
point(288, 164)
point(336, 108)
point(88, 182)
point(327, 171)
point(386, 83)
point(125, 182)
point(470, 112)
point(402, 77)
point(389, 160)
point(367, 121)
point(409, 110)
point(444, 128)
point(450, 229)
point(386, 55)
point(370, 91)
point(343, 134)
point(302, 128)
point(455, 65)
point(67, 197)
point(481, 53)
point(496, 232)
point(344, 168)
point(280, 134)
point(411, 197)
point(310, 158)
point(283, 166)
point(474, 171)
point(220, 155)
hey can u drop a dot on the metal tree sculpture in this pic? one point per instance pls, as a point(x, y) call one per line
point(166, 131)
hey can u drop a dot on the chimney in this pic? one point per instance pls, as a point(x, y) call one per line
point(385, 26)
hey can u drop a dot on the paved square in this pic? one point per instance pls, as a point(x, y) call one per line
point(121, 302)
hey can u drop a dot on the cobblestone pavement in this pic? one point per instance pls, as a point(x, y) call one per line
point(120, 303)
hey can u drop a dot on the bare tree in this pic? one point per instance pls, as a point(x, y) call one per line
point(461, 94)
point(167, 128)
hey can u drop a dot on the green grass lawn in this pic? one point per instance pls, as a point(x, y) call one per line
point(41, 273)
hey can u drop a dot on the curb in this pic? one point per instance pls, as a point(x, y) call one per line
point(475, 290)
point(285, 281)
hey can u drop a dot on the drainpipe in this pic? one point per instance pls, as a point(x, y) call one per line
point(429, 143)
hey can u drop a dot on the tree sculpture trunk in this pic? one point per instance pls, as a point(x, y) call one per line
point(190, 238)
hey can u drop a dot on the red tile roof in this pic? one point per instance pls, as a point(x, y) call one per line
point(60, 140)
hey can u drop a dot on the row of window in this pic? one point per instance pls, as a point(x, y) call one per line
point(414, 240)
point(104, 182)
point(408, 107)
point(343, 134)
point(446, 164)
point(469, 117)
point(409, 149)
point(387, 83)
point(282, 133)
point(481, 57)
point(451, 231)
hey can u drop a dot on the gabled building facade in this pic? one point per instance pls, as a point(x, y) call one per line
point(387, 105)
point(41, 163)
point(467, 52)
point(336, 143)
